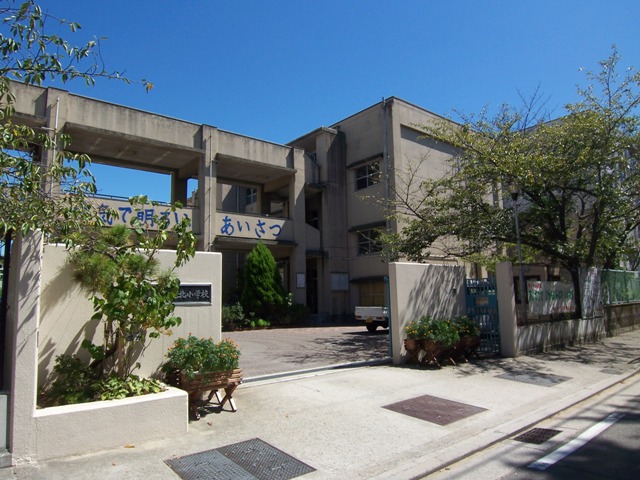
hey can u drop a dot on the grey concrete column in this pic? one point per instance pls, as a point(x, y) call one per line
point(297, 215)
point(207, 186)
point(179, 190)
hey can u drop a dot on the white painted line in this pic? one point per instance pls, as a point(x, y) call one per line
point(576, 443)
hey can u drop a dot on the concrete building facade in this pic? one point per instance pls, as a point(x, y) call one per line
point(318, 203)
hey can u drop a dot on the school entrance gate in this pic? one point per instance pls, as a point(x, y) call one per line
point(482, 306)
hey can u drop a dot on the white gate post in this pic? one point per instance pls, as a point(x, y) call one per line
point(507, 310)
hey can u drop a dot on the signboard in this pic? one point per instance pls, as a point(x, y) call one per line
point(125, 213)
point(248, 226)
point(194, 294)
point(550, 298)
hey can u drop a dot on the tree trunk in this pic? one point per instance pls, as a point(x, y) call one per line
point(575, 278)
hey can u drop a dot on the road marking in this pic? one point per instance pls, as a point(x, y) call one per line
point(576, 443)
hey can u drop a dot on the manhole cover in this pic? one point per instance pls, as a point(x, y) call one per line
point(535, 378)
point(537, 435)
point(250, 460)
point(435, 410)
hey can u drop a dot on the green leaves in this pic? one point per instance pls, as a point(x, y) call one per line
point(578, 180)
point(193, 355)
point(131, 296)
point(262, 285)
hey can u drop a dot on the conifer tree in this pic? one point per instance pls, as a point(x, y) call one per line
point(262, 289)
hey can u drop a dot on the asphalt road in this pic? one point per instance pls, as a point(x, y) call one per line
point(279, 350)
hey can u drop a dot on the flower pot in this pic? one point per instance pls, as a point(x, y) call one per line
point(432, 351)
point(469, 345)
point(413, 348)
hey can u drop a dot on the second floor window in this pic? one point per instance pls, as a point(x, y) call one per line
point(369, 241)
point(368, 175)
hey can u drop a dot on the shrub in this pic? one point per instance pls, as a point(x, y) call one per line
point(262, 289)
point(76, 382)
point(466, 327)
point(442, 331)
point(192, 355)
point(232, 316)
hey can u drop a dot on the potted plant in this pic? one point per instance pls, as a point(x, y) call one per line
point(414, 330)
point(466, 326)
point(469, 332)
point(440, 331)
point(198, 365)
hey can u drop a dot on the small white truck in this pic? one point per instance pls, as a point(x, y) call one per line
point(373, 317)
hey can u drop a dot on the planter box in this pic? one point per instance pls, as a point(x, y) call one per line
point(90, 427)
point(211, 382)
point(425, 352)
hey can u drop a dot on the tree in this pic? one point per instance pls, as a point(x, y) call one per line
point(131, 296)
point(51, 195)
point(577, 177)
point(45, 187)
point(262, 289)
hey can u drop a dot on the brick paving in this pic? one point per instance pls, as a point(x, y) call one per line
point(279, 350)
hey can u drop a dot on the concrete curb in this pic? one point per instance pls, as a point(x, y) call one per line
point(310, 372)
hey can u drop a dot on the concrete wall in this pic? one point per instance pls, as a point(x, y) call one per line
point(545, 336)
point(48, 315)
point(622, 318)
point(65, 310)
point(420, 289)
point(541, 336)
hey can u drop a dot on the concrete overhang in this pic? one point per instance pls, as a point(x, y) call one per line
point(129, 151)
point(236, 170)
point(279, 248)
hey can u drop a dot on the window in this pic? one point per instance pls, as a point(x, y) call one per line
point(368, 175)
point(372, 294)
point(339, 282)
point(368, 241)
point(250, 196)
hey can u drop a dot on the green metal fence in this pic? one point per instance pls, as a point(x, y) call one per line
point(619, 286)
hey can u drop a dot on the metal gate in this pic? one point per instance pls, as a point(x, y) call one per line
point(482, 306)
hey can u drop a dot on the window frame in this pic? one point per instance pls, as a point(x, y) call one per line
point(368, 174)
point(368, 243)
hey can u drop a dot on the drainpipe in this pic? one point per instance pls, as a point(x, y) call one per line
point(386, 281)
point(385, 161)
point(211, 194)
point(5, 301)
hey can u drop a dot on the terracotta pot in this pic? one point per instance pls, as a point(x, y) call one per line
point(411, 344)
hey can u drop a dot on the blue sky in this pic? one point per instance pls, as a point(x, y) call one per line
point(276, 70)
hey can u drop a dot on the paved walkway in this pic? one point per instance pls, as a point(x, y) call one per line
point(274, 351)
point(349, 422)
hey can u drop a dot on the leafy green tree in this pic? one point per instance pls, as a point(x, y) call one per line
point(133, 299)
point(577, 176)
point(45, 187)
point(35, 194)
point(262, 290)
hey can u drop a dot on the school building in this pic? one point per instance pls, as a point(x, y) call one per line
point(318, 202)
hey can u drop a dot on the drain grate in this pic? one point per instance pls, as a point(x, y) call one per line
point(543, 379)
point(537, 435)
point(435, 410)
point(250, 460)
